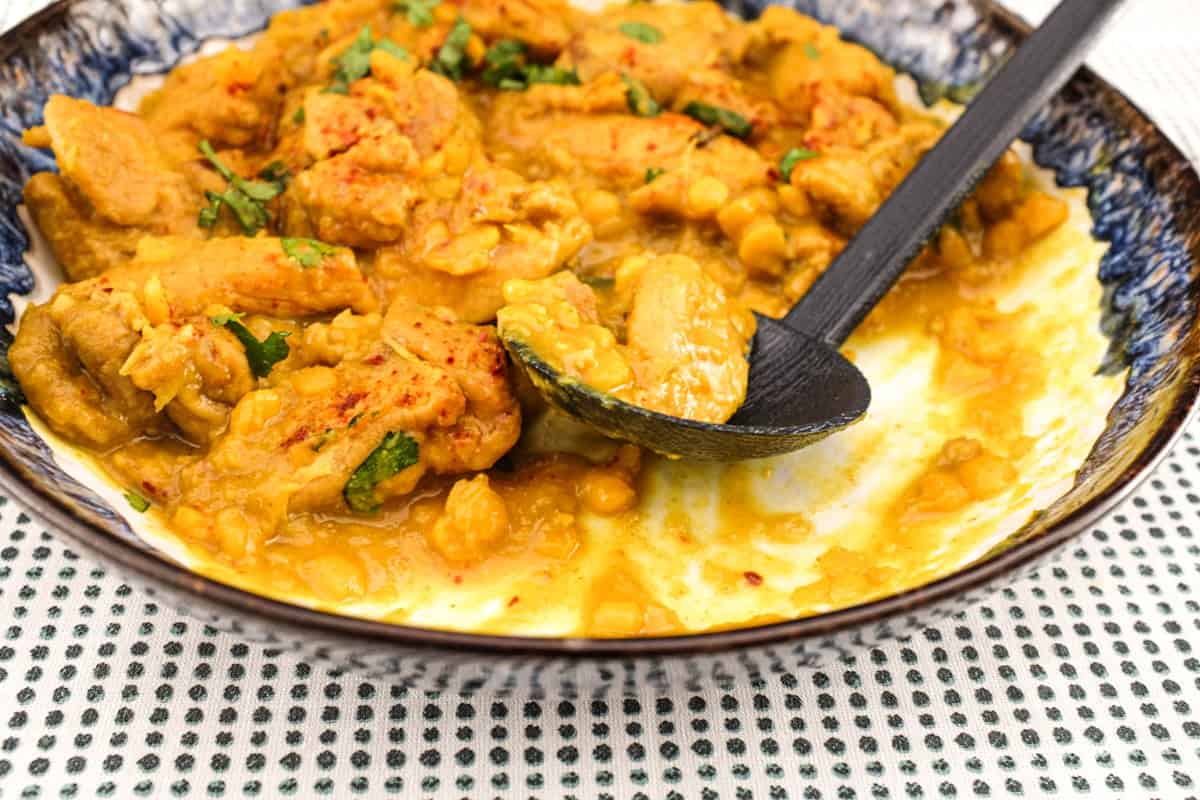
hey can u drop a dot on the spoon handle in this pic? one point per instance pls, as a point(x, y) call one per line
point(850, 287)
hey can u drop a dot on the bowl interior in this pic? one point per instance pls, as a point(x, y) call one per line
point(1140, 189)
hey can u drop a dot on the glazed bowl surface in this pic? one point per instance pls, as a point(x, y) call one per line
point(1141, 192)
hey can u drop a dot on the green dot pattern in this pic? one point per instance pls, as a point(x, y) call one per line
point(1079, 680)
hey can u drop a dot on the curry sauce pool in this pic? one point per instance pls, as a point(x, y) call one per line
point(398, 181)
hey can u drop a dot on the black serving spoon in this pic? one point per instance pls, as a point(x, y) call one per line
point(801, 389)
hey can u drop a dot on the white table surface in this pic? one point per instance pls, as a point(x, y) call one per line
point(1082, 680)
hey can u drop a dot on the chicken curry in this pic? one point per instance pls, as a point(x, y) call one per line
point(284, 272)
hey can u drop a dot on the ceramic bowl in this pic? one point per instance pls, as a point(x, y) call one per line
point(1143, 196)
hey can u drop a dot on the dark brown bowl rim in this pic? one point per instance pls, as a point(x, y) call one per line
point(131, 560)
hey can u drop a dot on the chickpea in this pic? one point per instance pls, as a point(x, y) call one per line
point(313, 381)
point(154, 300)
point(706, 196)
point(599, 207)
point(763, 247)
point(607, 491)
point(475, 519)
point(1004, 240)
point(253, 411)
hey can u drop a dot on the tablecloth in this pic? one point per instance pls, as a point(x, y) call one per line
point(1080, 680)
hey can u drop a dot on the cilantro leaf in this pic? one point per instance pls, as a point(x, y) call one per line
point(246, 199)
point(812, 51)
point(506, 69)
point(731, 122)
point(325, 438)
point(298, 116)
point(639, 99)
point(647, 34)
point(276, 172)
point(262, 356)
point(392, 49)
point(306, 252)
point(652, 173)
point(353, 63)
point(450, 60)
point(793, 157)
point(137, 502)
point(418, 12)
point(396, 452)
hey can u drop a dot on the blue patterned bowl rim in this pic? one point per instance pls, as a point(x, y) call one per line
point(1153, 327)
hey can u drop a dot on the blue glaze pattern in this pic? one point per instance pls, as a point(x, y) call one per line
point(1140, 190)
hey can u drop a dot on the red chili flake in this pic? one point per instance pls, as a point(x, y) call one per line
point(350, 401)
point(149, 487)
point(772, 174)
point(457, 579)
point(371, 113)
point(298, 436)
point(375, 360)
point(449, 359)
point(514, 601)
point(753, 578)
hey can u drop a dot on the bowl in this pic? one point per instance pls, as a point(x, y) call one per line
point(1142, 194)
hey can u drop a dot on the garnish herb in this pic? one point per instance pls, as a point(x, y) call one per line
point(355, 61)
point(298, 116)
point(396, 452)
point(639, 99)
point(306, 252)
point(357, 418)
point(262, 356)
point(731, 122)
point(452, 56)
point(247, 199)
point(418, 12)
point(653, 172)
point(506, 69)
point(137, 502)
point(647, 34)
point(812, 51)
point(793, 157)
point(276, 172)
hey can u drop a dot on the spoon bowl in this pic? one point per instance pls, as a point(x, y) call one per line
point(822, 393)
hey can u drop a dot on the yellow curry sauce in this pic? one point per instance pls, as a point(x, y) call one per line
point(285, 268)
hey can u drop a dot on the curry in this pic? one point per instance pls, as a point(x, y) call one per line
point(284, 273)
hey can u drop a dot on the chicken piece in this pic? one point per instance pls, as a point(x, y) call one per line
point(114, 186)
point(229, 99)
point(294, 446)
point(365, 160)
point(57, 387)
point(618, 147)
point(542, 24)
point(806, 59)
point(362, 197)
point(697, 40)
point(498, 227)
point(475, 359)
point(135, 341)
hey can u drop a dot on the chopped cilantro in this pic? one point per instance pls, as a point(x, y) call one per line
point(137, 502)
point(418, 12)
point(276, 172)
point(353, 63)
point(812, 51)
point(298, 116)
point(306, 252)
point(262, 356)
point(396, 452)
point(357, 418)
point(507, 69)
point(392, 49)
point(639, 99)
point(653, 172)
point(647, 34)
point(452, 56)
point(246, 198)
point(793, 157)
point(731, 122)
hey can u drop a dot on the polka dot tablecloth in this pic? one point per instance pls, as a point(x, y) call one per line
point(1082, 680)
